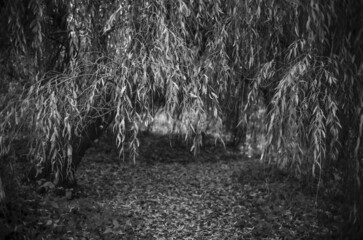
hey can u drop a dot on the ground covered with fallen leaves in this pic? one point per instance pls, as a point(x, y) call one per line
point(170, 194)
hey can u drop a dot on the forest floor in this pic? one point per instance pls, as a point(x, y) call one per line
point(169, 194)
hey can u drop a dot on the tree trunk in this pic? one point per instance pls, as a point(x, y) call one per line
point(63, 175)
point(2, 192)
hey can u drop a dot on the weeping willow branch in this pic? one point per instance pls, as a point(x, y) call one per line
point(301, 116)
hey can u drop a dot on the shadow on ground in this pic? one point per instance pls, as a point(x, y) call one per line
point(170, 194)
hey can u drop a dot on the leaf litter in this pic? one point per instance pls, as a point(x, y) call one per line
point(169, 194)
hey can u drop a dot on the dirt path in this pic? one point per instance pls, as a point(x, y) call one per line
point(170, 195)
point(174, 201)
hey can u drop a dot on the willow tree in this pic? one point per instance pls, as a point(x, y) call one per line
point(311, 79)
point(116, 62)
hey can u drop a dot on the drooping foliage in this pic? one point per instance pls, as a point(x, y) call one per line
point(83, 65)
point(314, 109)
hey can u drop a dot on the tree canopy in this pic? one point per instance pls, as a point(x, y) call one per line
point(72, 68)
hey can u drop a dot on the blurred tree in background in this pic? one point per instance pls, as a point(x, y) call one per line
point(72, 68)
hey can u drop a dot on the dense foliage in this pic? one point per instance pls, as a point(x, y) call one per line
point(74, 67)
